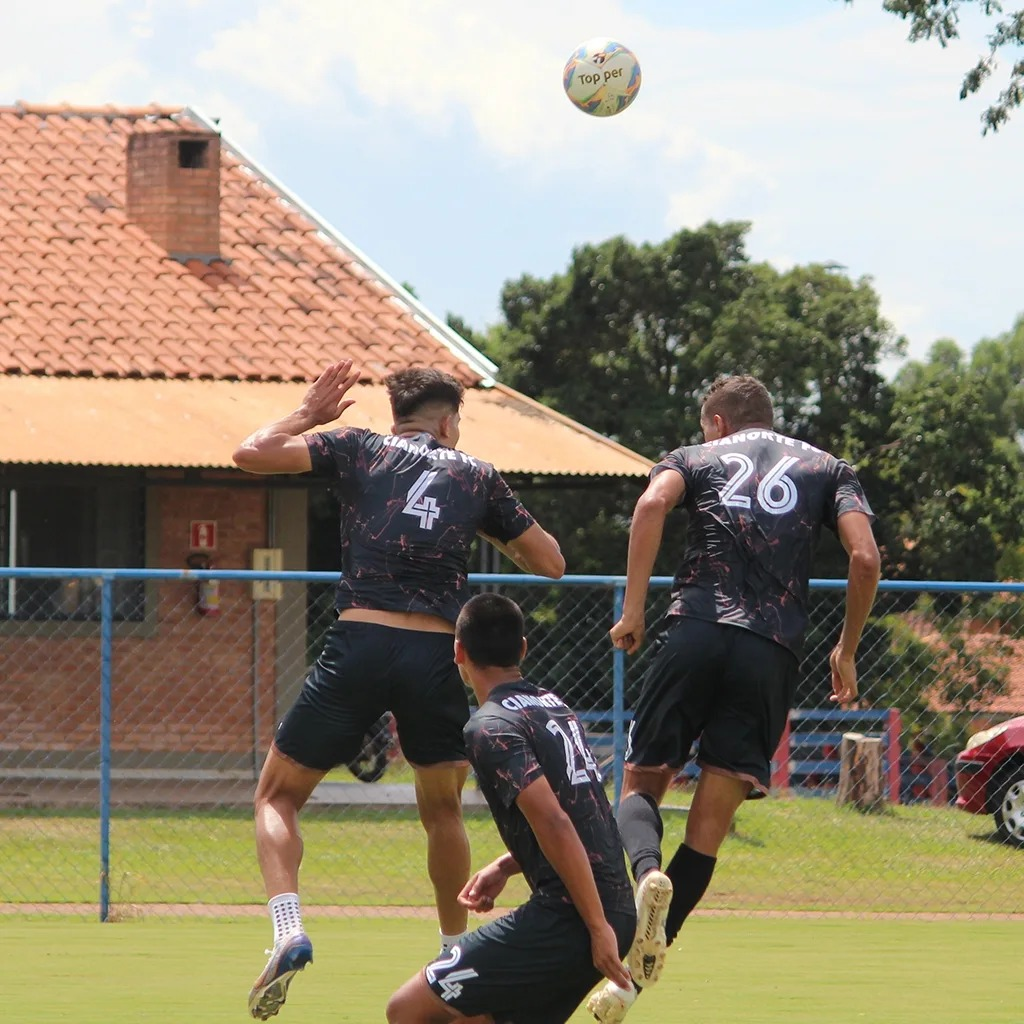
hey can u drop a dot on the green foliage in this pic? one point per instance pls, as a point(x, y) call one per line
point(464, 330)
point(951, 472)
point(940, 20)
point(923, 658)
point(998, 363)
point(627, 338)
point(614, 341)
point(815, 338)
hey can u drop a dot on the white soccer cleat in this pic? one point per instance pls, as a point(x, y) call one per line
point(646, 956)
point(610, 1003)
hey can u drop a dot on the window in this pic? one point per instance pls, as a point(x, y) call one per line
point(193, 154)
point(73, 525)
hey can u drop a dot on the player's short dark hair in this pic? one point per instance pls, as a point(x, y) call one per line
point(415, 387)
point(491, 629)
point(741, 401)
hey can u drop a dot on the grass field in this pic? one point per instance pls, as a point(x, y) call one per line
point(746, 971)
point(786, 854)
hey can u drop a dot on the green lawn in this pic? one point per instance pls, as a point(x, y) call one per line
point(786, 854)
point(747, 971)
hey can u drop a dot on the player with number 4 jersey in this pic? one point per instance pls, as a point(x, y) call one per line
point(412, 505)
point(725, 669)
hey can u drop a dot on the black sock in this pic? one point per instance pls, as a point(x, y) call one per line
point(640, 824)
point(690, 873)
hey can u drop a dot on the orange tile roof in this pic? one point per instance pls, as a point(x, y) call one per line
point(151, 423)
point(84, 292)
point(998, 651)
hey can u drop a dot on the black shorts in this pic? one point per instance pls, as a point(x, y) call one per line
point(532, 966)
point(364, 670)
point(728, 686)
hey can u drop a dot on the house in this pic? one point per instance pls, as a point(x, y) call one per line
point(161, 295)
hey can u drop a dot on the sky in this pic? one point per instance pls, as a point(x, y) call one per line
point(434, 134)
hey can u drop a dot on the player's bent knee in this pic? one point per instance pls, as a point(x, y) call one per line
point(414, 1003)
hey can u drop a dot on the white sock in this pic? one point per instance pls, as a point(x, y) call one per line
point(285, 913)
point(448, 941)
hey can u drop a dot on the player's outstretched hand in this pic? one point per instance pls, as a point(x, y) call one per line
point(480, 892)
point(325, 400)
point(628, 634)
point(604, 948)
point(844, 677)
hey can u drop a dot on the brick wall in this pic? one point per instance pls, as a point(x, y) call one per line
point(173, 191)
point(183, 682)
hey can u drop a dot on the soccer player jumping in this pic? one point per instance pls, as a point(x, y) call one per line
point(412, 504)
point(726, 665)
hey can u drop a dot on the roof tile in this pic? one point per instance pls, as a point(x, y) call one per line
point(87, 292)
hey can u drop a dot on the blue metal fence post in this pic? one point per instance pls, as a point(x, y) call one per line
point(618, 700)
point(106, 651)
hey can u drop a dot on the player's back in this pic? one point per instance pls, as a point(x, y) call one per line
point(520, 733)
point(756, 501)
point(410, 510)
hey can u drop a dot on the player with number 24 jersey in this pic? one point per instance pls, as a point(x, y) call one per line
point(411, 506)
point(520, 734)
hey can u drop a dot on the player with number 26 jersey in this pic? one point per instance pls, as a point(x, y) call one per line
point(756, 501)
point(726, 669)
point(411, 508)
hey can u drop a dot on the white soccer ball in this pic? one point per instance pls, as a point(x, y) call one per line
point(602, 77)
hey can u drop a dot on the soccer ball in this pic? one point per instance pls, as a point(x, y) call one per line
point(602, 77)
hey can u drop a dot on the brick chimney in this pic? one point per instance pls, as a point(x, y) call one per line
point(174, 191)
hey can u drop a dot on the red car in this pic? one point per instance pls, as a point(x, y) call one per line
point(990, 777)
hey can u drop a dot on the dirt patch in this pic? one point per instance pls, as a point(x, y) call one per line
point(136, 911)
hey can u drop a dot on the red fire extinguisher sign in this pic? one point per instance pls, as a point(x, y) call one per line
point(202, 535)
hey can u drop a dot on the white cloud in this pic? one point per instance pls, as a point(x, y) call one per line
point(35, 59)
point(833, 135)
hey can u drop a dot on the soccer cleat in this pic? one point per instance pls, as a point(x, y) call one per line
point(646, 956)
point(610, 1003)
point(268, 994)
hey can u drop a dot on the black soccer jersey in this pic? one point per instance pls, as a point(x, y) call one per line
point(756, 501)
point(519, 734)
point(410, 508)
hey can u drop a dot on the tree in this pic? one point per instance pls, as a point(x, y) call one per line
point(940, 20)
point(815, 338)
point(614, 340)
point(953, 471)
point(629, 336)
point(462, 328)
point(999, 363)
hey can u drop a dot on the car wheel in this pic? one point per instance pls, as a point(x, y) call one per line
point(1009, 813)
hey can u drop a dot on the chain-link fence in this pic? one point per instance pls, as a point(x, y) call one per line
point(139, 704)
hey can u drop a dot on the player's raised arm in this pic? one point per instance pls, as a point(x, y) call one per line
point(663, 493)
point(561, 845)
point(279, 447)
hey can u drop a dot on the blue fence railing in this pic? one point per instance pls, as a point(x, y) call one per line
point(604, 605)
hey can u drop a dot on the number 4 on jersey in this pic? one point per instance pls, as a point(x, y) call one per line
point(421, 505)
